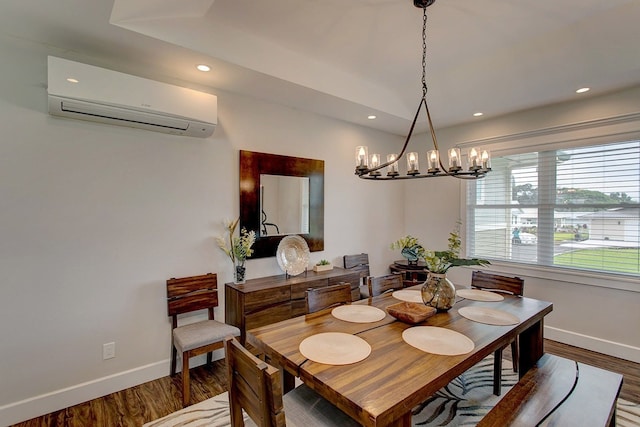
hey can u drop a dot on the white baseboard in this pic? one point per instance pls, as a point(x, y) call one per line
point(59, 399)
point(599, 345)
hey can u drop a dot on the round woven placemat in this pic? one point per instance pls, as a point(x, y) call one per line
point(358, 313)
point(408, 295)
point(488, 316)
point(479, 295)
point(432, 339)
point(335, 348)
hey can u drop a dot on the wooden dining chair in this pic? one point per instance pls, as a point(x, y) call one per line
point(503, 284)
point(191, 294)
point(383, 284)
point(256, 387)
point(317, 299)
point(360, 263)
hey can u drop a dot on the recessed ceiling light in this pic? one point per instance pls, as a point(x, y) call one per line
point(371, 117)
point(477, 114)
point(583, 90)
point(72, 80)
point(203, 67)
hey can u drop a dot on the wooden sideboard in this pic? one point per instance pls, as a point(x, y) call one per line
point(266, 300)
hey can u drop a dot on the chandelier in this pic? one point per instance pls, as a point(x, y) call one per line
point(478, 160)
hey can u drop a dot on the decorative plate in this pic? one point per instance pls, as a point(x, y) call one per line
point(293, 255)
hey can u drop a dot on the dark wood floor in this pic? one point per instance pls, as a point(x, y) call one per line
point(149, 401)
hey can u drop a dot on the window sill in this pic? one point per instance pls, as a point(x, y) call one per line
point(621, 282)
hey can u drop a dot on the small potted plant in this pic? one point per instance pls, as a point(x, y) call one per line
point(322, 265)
point(410, 248)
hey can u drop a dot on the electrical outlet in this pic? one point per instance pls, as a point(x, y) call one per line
point(108, 350)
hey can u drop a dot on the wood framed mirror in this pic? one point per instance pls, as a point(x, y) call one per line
point(279, 196)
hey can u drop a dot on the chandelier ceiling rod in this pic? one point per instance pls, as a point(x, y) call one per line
point(477, 170)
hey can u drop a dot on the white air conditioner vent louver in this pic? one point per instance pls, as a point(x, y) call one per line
point(116, 98)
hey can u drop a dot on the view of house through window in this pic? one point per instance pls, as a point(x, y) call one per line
point(576, 208)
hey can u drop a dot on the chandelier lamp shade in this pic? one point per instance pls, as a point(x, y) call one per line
point(372, 166)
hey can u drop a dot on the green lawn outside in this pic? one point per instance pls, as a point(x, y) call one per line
point(607, 259)
point(561, 237)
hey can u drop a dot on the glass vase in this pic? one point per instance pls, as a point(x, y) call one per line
point(438, 292)
point(410, 254)
point(239, 271)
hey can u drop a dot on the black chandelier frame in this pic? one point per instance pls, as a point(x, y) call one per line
point(373, 173)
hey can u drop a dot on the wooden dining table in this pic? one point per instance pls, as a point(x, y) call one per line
point(382, 389)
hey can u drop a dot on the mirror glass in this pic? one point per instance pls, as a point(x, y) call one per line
point(284, 205)
point(268, 183)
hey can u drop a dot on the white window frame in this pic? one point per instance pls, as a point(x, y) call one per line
point(592, 132)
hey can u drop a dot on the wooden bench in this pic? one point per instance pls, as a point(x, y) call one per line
point(591, 403)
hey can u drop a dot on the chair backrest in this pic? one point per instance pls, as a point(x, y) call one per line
point(329, 296)
point(381, 284)
point(496, 282)
point(254, 386)
point(194, 293)
point(358, 262)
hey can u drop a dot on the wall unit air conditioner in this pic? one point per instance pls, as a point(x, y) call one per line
point(86, 92)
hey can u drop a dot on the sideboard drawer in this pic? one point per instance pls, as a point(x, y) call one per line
point(266, 297)
point(298, 290)
point(352, 278)
point(268, 315)
point(298, 307)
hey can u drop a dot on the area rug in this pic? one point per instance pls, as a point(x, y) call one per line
point(463, 402)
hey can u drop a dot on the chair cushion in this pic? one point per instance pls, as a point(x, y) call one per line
point(305, 408)
point(199, 334)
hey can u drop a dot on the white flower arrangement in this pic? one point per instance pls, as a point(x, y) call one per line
point(237, 248)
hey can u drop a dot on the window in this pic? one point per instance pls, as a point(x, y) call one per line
point(573, 208)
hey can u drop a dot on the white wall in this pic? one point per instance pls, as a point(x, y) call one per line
point(588, 311)
point(95, 218)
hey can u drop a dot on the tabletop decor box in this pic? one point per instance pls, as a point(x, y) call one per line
point(411, 312)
